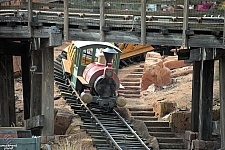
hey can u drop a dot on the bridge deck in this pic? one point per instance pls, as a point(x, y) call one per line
point(123, 21)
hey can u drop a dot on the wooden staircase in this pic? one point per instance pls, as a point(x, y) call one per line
point(160, 129)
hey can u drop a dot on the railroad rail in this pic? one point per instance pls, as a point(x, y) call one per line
point(108, 129)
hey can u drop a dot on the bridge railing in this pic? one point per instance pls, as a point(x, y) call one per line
point(165, 16)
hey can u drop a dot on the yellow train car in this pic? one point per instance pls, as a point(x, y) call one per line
point(133, 53)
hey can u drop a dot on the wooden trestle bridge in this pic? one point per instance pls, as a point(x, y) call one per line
point(31, 30)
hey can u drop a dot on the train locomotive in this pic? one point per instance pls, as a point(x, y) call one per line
point(92, 68)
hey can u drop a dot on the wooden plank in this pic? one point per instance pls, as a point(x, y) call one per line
point(48, 91)
point(195, 96)
point(82, 80)
point(7, 94)
point(35, 122)
point(66, 20)
point(153, 38)
point(36, 84)
point(67, 65)
point(102, 20)
point(143, 22)
point(222, 99)
point(26, 80)
point(206, 100)
point(185, 23)
point(12, 48)
point(21, 32)
point(206, 54)
point(30, 18)
point(11, 128)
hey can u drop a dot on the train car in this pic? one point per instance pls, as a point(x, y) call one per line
point(92, 68)
point(132, 53)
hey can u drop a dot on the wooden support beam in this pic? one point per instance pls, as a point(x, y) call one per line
point(153, 38)
point(66, 20)
point(7, 94)
point(206, 100)
point(26, 80)
point(13, 48)
point(30, 18)
point(47, 102)
point(35, 122)
point(199, 54)
point(222, 99)
point(102, 20)
point(185, 23)
point(143, 22)
point(195, 96)
point(36, 83)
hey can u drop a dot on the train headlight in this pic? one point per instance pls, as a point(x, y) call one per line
point(109, 73)
point(121, 101)
point(86, 96)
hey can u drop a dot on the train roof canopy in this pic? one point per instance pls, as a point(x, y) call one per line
point(92, 44)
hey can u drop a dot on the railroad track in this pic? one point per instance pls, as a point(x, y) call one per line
point(107, 129)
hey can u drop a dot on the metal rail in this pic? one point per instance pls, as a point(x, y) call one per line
point(135, 134)
point(96, 119)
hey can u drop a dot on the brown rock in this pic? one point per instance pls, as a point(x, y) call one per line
point(154, 72)
point(180, 121)
point(163, 108)
point(172, 62)
point(62, 121)
point(74, 127)
point(141, 129)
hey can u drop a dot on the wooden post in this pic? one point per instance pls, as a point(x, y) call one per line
point(185, 22)
point(7, 94)
point(102, 20)
point(36, 83)
point(30, 18)
point(66, 20)
point(48, 91)
point(206, 100)
point(222, 99)
point(25, 63)
point(195, 96)
point(143, 22)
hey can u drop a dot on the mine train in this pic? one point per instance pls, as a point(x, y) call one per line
point(92, 68)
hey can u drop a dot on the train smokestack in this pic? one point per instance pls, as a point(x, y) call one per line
point(109, 53)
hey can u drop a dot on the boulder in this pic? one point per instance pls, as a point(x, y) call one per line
point(164, 108)
point(63, 120)
point(154, 72)
point(141, 129)
point(172, 62)
point(180, 121)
